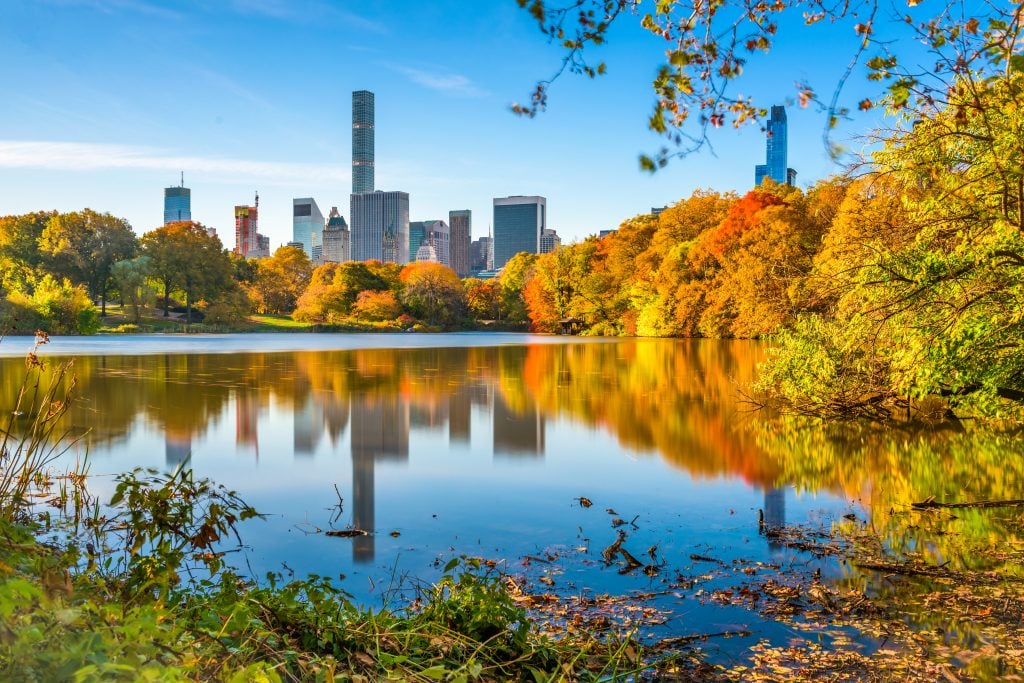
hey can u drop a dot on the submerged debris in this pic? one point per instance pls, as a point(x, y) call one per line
point(345, 533)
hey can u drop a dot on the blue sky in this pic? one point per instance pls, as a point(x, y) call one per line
point(107, 100)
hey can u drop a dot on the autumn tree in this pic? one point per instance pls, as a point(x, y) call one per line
point(280, 280)
point(333, 288)
point(433, 293)
point(483, 298)
point(377, 305)
point(84, 245)
point(20, 258)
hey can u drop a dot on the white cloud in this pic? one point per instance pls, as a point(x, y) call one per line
point(445, 82)
point(81, 156)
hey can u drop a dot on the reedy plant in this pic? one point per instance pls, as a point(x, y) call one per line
point(31, 440)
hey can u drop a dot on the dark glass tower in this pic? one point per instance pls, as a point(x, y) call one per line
point(177, 204)
point(362, 141)
point(776, 164)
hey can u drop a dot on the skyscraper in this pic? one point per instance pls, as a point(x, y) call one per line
point(460, 224)
point(380, 226)
point(307, 223)
point(337, 246)
point(549, 241)
point(435, 233)
point(248, 241)
point(777, 152)
point(362, 142)
point(177, 203)
point(480, 254)
point(518, 224)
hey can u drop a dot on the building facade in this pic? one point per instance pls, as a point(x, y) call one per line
point(518, 223)
point(307, 223)
point(362, 142)
point(549, 241)
point(436, 233)
point(248, 241)
point(776, 164)
point(246, 237)
point(480, 255)
point(337, 245)
point(460, 227)
point(380, 226)
point(177, 204)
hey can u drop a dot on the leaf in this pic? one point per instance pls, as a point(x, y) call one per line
point(436, 672)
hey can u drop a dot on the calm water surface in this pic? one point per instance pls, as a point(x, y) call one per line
point(444, 445)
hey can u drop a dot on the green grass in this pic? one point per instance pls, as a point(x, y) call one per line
point(277, 323)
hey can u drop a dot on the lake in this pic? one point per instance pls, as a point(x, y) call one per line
point(484, 445)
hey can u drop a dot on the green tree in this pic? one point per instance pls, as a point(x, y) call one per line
point(185, 258)
point(513, 279)
point(708, 47)
point(132, 279)
point(84, 245)
point(926, 270)
point(56, 306)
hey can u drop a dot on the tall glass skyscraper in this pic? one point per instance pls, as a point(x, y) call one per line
point(307, 223)
point(362, 141)
point(776, 164)
point(177, 204)
point(518, 223)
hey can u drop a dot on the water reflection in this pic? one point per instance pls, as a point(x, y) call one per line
point(673, 398)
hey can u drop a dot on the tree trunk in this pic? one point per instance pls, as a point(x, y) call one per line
point(188, 304)
point(103, 299)
point(167, 298)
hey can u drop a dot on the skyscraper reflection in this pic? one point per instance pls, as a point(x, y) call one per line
point(517, 432)
point(774, 513)
point(380, 432)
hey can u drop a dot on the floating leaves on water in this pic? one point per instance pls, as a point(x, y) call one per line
point(584, 502)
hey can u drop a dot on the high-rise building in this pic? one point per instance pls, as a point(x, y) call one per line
point(248, 241)
point(177, 203)
point(777, 152)
point(307, 223)
point(460, 225)
point(380, 226)
point(246, 223)
point(518, 223)
point(362, 142)
point(434, 233)
point(336, 246)
point(549, 241)
point(480, 254)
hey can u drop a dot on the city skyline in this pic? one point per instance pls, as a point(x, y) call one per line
point(233, 123)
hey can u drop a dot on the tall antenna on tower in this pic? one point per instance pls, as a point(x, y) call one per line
point(183, 179)
point(257, 199)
